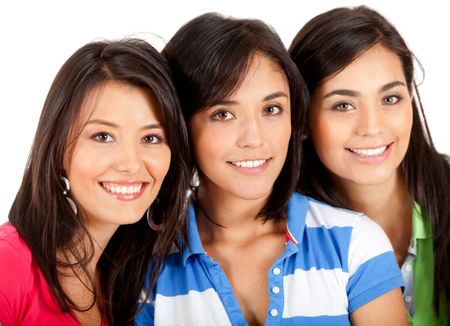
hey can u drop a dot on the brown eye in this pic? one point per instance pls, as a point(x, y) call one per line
point(272, 110)
point(152, 139)
point(102, 137)
point(222, 115)
point(343, 107)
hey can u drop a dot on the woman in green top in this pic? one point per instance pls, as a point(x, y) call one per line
point(368, 147)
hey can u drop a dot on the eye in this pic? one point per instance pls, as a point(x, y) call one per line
point(222, 115)
point(102, 137)
point(391, 99)
point(153, 139)
point(273, 110)
point(343, 107)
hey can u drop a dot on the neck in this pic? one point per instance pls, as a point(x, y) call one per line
point(385, 203)
point(81, 280)
point(389, 204)
point(223, 217)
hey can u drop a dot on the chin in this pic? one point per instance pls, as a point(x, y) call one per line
point(254, 195)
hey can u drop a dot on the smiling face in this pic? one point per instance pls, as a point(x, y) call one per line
point(120, 157)
point(240, 144)
point(361, 119)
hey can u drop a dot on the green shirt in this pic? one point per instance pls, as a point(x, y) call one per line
point(423, 271)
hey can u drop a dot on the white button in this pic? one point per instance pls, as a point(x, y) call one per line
point(276, 289)
point(408, 299)
point(276, 271)
point(408, 268)
point(274, 312)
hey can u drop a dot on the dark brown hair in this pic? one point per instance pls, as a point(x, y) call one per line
point(326, 45)
point(209, 57)
point(43, 217)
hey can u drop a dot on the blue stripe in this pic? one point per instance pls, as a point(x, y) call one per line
point(179, 279)
point(322, 248)
point(374, 278)
point(311, 321)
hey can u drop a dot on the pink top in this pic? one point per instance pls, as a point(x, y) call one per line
point(25, 298)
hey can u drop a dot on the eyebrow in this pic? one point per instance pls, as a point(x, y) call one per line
point(114, 125)
point(352, 93)
point(274, 96)
point(265, 99)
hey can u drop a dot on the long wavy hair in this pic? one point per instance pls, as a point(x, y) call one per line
point(326, 45)
point(210, 56)
point(45, 220)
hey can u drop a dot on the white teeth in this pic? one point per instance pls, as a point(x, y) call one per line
point(249, 164)
point(119, 189)
point(369, 152)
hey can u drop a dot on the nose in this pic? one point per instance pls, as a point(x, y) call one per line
point(251, 133)
point(127, 159)
point(370, 121)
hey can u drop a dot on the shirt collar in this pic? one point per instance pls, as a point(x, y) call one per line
point(421, 226)
point(195, 244)
point(297, 209)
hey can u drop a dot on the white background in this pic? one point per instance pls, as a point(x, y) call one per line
point(36, 38)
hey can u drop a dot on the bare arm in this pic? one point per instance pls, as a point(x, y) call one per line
point(389, 309)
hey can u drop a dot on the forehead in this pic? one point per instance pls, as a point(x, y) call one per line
point(113, 98)
point(376, 66)
point(263, 76)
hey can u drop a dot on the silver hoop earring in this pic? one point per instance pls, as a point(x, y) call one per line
point(151, 223)
point(66, 189)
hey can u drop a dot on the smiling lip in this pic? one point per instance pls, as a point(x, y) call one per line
point(371, 155)
point(124, 190)
point(250, 166)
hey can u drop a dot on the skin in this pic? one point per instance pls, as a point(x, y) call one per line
point(251, 124)
point(355, 113)
point(121, 144)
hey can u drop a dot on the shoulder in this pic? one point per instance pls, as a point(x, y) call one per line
point(16, 267)
point(325, 215)
point(365, 238)
point(321, 214)
point(13, 249)
point(15, 261)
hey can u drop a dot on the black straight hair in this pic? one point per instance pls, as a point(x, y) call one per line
point(326, 45)
point(210, 56)
point(40, 211)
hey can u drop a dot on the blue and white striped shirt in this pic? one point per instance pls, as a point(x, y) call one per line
point(334, 262)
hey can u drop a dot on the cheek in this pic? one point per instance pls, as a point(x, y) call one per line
point(209, 144)
point(281, 135)
point(323, 133)
point(157, 164)
point(86, 163)
point(402, 123)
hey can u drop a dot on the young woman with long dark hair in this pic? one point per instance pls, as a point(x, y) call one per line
point(109, 157)
point(368, 148)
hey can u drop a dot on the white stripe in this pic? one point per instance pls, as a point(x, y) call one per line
point(315, 293)
point(322, 215)
point(368, 241)
point(195, 308)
